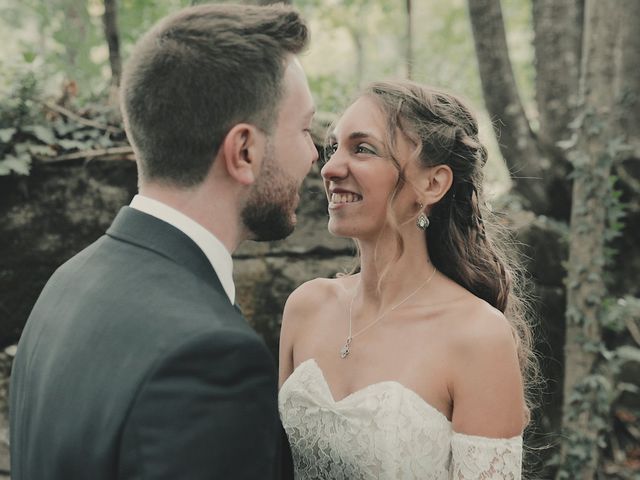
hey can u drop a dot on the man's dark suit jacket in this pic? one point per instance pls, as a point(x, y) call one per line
point(134, 365)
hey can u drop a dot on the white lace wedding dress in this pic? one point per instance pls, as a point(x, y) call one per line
point(384, 431)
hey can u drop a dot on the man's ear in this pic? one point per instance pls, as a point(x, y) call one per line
point(440, 179)
point(243, 152)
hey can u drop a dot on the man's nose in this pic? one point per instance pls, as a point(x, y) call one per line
point(315, 155)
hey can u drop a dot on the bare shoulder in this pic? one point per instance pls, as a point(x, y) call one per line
point(480, 328)
point(308, 300)
point(308, 296)
point(486, 386)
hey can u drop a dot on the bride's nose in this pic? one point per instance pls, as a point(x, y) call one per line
point(335, 166)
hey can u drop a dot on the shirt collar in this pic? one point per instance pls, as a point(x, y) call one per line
point(213, 248)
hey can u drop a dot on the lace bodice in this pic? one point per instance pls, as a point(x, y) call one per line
point(384, 431)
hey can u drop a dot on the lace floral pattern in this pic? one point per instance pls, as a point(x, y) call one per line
point(384, 431)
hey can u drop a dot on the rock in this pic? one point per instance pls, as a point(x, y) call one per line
point(47, 217)
point(544, 245)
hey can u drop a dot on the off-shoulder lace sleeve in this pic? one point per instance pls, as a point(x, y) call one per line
point(482, 458)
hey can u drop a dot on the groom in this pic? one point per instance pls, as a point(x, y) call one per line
point(135, 362)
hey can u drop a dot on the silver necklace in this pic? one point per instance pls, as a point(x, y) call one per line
point(346, 350)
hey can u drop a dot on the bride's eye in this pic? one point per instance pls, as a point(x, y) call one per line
point(365, 149)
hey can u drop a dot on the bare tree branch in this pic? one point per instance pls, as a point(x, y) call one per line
point(409, 46)
point(120, 152)
point(557, 26)
point(110, 22)
point(81, 120)
point(517, 142)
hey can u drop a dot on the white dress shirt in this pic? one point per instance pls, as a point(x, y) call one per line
point(213, 248)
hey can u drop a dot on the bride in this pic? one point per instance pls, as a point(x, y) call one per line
point(414, 367)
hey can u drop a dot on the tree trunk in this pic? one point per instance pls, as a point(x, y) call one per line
point(557, 26)
point(356, 36)
point(110, 22)
point(627, 89)
point(76, 21)
point(409, 46)
point(627, 85)
point(518, 144)
point(594, 156)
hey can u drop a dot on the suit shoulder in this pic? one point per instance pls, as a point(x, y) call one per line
point(205, 353)
point(228, 339)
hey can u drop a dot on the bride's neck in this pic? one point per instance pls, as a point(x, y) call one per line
point(378, 260)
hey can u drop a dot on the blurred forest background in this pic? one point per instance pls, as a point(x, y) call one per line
point(557, 87)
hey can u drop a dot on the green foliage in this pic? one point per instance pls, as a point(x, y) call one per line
point(334, 92)
point(591, 397)
point(27, 134)
point(617, 312)
point(135, 17)
point(19, 110)
point(353, 42)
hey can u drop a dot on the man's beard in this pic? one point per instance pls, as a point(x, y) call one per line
point(270, 206)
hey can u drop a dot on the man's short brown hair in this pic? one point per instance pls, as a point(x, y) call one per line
point(199, 72)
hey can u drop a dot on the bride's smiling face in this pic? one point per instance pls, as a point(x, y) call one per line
point(360, 176)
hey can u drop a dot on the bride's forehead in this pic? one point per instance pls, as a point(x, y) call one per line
point(364, 115)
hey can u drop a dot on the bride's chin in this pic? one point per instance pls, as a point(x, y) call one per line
point(342, 231)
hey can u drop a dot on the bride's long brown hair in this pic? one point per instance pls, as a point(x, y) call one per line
point(463, 240)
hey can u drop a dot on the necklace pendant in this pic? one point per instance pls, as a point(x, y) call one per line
point(344, 351)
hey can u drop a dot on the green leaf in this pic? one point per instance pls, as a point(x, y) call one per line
point(41, 150)
point(29, 56)
point(20, 165)
point(44, 134)
point(6, 134)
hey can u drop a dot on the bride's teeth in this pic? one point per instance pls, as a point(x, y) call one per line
point(344, 197)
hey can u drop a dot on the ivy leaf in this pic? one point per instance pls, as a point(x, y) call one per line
point(29, 56)
point(41, 150)
point(6, 134)
point(44, 134)
point(62, 128)
point(20, 165)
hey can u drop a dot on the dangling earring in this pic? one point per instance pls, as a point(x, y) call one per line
point(423, 221)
